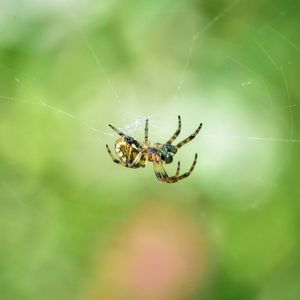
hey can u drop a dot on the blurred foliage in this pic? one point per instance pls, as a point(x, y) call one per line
point(68, 68)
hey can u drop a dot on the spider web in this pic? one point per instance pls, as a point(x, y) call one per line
point(226, 104)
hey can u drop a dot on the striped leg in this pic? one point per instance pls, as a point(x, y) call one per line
point(176, 178)
point(116, 130)
point(137, 160)
point(146, 132)
point(178, 169)
point(189, 138)
point(111, 156)
point(175, 135)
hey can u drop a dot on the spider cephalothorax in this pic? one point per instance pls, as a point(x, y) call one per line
point(133, 154)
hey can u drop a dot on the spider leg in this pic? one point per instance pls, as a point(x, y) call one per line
point(145, 161)
point(178, 168)
point(160, 171)
point(111, 156)
point(162, 175)
point(146, 132)
point(136, 160)
point(189, 138)
point(184, 175)
point(175, 135)
point(116, 130)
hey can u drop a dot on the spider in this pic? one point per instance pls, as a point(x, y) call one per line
point(132, 154)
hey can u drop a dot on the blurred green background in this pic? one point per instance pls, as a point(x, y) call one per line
point(68, 68)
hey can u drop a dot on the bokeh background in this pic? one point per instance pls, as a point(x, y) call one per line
point(73, 225)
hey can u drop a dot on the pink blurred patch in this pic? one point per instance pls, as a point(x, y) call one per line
point(159, 255)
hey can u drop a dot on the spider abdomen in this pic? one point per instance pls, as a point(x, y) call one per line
point(126, 151)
